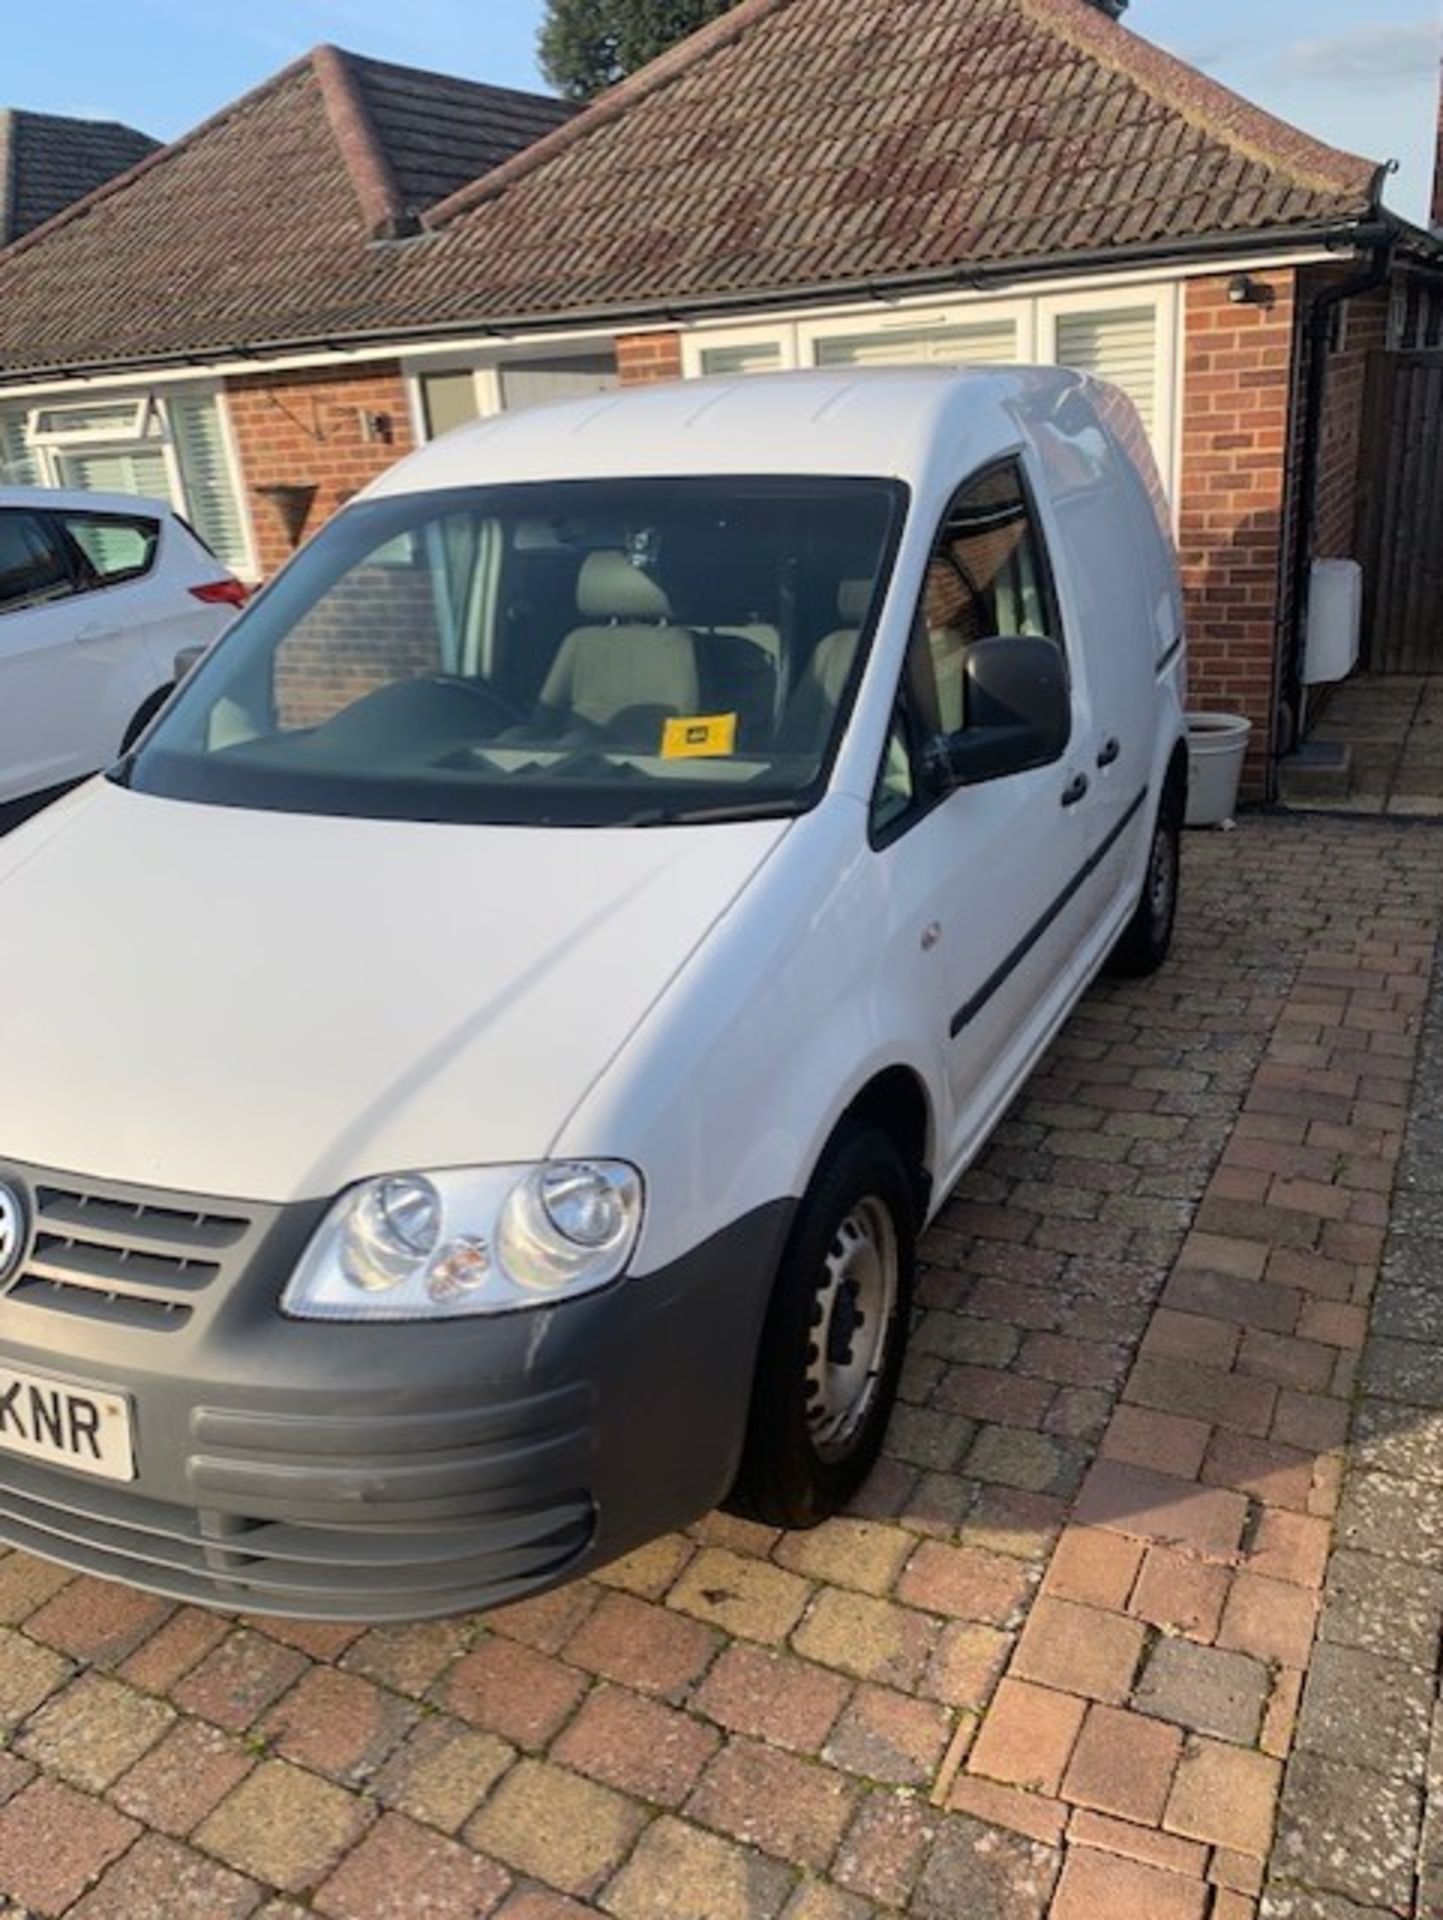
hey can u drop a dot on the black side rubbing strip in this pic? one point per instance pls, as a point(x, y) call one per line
point(967, 1014)
point(1167, 659)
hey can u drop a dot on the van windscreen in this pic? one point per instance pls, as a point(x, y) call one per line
point(581, 653)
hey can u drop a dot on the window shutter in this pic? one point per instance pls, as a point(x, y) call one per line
point(18, 465)
point(214, 510)
point(985, 344)
point(1119, 345)
point(143, 472)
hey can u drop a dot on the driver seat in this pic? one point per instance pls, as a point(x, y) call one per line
point(630, 655)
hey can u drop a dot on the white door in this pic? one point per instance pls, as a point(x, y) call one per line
point(992, 874)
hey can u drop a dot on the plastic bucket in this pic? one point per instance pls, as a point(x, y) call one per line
point(1217, 746)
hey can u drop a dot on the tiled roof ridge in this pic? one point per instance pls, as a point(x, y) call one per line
point(359, 141)
point(1206, 103)
point(78, 209)
point(649, 79)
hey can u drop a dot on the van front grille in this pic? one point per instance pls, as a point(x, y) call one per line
point(99, 1254)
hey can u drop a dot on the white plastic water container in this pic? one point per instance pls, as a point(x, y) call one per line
point(1335, 622)
point(1217, 745)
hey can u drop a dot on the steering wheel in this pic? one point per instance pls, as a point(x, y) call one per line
point(505, 710)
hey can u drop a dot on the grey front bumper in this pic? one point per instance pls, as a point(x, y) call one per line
point(364, 1472)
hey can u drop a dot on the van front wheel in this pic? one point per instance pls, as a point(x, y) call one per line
point(831, 1354)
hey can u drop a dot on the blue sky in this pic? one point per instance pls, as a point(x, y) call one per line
point(164, 64)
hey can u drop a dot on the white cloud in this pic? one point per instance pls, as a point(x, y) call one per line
point(1380, 56)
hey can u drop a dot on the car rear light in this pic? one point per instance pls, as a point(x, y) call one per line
point(223, 593)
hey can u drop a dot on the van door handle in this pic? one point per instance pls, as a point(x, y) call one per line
point(1111, 752)
point(1075, 791)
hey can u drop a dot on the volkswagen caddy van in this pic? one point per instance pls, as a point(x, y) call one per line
point(474, 1076)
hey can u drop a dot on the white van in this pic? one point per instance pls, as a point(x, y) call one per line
point(474, 1077)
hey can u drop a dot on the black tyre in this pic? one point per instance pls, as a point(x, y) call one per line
point(1147, 939)
point(832, 1348)
point(143, 719)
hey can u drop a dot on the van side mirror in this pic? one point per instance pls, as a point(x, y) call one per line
point(1017, 698)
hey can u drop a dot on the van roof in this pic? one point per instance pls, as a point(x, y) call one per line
point(843, 421)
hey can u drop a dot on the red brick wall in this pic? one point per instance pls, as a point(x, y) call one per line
point(307, 429)
point(642, 358)
point(1237, 387)
point(1365, 331)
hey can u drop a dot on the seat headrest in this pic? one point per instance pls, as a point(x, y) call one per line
point(611, 588)
point(854, 602)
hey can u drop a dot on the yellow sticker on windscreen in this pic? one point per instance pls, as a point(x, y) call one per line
point(706, 736)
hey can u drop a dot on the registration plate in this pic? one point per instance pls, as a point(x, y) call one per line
point(66, 1425)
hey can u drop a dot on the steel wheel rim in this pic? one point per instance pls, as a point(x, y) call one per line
point(851, 1321)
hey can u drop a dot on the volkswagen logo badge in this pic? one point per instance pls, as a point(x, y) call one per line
point(12, 1230)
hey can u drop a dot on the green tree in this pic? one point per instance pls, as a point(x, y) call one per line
point(588, 45)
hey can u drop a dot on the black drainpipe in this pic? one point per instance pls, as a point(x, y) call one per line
point(1317, 333)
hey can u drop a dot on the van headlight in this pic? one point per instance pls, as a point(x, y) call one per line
point(427, 1246)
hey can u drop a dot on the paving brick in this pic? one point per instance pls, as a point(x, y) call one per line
point(740, 1595)
point(180, 1781)
point(1095, 1883)
point(1152, 1849)
point(442, 1772)
point(1290, 1546)
point(873, 1639)
point(93, 1731)
point(648, 1571)
point(773, 1696)
point(338, 1724)
point(1281, 1716)
point(1314, 1422)
point(679, 1872)
point(317, 1639)
point(1011, 1521)
point(785, 1805)
point(1206, 1689)
point(1027, 1736)
point(1180, 1594)
point(1032, 1815)
point(1154, 1506)
point(884, 1848)
point(984, 1394)
point(28, 1675)
point(1333, 1323)
point(967, 1663)
point(401, 1870)
point(283, 1826)
point(643, 1646)
point(815, 1900)
point(975, 1870)
point(1269, 1619)
point(1224, 1796)
point(547, 1620)
point(177, 1645)
point(1251, 1303)
point(1080, 1650)
point(1159, 1442)
point(235, 1684)
point(1270, 1474)
point(847, 1553)
point(97, 1621)
point(1123, 1764)
point(891, 1737)
point(26, 1584)
point(556, 1827)
point(1347, 1832)
point(1032, 1462)
point(161, 1880)
point(966, 1583)
point(54, 1842)
point(1203, 1393)
point(1094, 1567)
point(1306, 1366)
point(637, 1745)
point(1384, 1606)
point(409, 1658)
point(1217, 1253)
point(1367, 1711)
point(513, 1691)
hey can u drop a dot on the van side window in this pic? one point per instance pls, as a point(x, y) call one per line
point(116, 546)
point(33, 566)
point(988, 578)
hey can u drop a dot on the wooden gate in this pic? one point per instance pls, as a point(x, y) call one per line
point(1402, 506)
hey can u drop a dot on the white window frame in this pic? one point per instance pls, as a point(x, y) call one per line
point(50, 445)
point(896, 317)
point(486, 369)
point(696, 346)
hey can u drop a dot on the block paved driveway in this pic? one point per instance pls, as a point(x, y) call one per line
point(1059, 1658)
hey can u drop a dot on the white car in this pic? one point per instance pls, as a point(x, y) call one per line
point(98, 594)
point(597, 900)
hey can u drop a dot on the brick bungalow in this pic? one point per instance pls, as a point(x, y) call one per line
point(356, 257)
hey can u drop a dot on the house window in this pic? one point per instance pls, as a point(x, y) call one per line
point(168, 447)
point(1118, 345)
point(451, 397)
point(990, 341)
point(750, 356)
